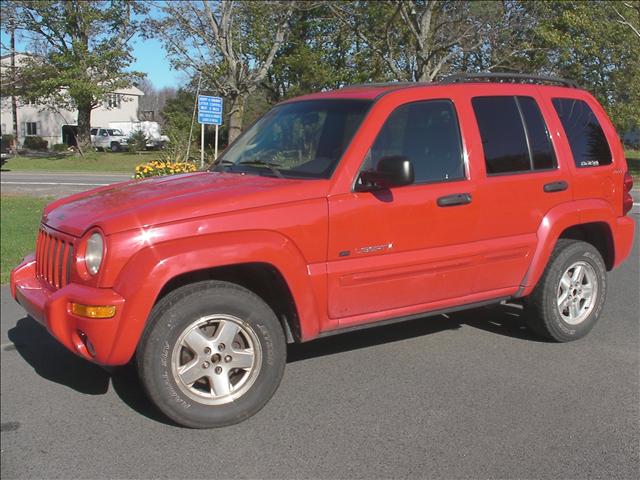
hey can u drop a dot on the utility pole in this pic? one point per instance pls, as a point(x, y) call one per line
point(14, 102)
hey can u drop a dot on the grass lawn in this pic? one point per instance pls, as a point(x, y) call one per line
point(19, 221)
point(633, 160)
point(105, 162)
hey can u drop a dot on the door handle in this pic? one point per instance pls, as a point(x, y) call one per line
point(555, 186)
point(455, 199)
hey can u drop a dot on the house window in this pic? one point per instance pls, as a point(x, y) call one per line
point(114, 100)
point(32, 128)
point(147, 115)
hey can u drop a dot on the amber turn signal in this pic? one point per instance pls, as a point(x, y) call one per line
point(93, 311)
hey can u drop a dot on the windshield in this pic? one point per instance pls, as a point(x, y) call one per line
point(115, 132)
point(299, 139)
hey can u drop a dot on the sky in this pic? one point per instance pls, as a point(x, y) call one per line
point(151, 59)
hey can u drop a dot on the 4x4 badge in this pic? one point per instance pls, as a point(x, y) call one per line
point(374, 248)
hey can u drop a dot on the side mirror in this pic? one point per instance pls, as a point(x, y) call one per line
point(392, 171)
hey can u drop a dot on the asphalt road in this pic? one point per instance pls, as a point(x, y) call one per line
point(472, 395)
point(54, 184)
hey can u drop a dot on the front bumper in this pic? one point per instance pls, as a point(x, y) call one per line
point(92, 339)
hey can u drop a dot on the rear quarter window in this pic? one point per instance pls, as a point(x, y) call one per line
point(588, 143)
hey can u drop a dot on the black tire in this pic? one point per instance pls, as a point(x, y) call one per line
point(173, 316)
point(115, 147)
point(543, 313)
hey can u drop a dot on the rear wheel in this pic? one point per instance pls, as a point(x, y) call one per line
point(212, 354)
point(566, 303)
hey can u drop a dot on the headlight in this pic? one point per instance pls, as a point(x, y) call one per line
point(94, 252)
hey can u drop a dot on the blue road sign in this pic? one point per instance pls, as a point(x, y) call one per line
point(209, 110)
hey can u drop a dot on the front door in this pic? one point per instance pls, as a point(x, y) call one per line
point(407, 246)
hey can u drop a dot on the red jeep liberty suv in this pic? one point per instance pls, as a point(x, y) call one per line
point(334, 211)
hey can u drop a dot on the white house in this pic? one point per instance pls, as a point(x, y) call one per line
point(57, 126)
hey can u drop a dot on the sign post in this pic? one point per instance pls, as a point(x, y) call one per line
point(215, 153)
point(209, 113)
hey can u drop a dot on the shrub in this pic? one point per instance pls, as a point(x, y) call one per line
point(137, 141)
point(159, 168)
point(35, 143)
point(176, 149)
point(60, 147)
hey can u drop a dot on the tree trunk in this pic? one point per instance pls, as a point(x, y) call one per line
point(235, 117)
point(84, 126)
point(14, 103)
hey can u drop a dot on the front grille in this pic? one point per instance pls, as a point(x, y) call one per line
point(53, 259)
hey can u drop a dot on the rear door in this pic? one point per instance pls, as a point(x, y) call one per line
point(523, 181)
point(405, 247)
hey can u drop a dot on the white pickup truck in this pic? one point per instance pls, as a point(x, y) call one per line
point(108, 138)
point(151, 130)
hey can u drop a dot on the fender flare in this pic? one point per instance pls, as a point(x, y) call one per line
point(150, 269)
point(556, 221)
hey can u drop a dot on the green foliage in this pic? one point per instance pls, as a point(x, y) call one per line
point(176, 149)
point(633, 162)
point(60, 147)
point(35, 143)
point(586, 41)
point(137, 141)
point(178, 116)
point(322, 53)
point(178, 113)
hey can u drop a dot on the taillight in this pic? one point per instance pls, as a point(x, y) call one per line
point(627, 199)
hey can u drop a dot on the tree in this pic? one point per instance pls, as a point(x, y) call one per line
point(629, 15)
point(420, 40)
point(79, 54)
point(8, 15)
point(153, 101)
point(588, 42)
point(137, 141)
point(230, 44)
point(178, 113)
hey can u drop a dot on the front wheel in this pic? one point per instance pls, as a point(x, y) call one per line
point(566, 303)
point(212, 354)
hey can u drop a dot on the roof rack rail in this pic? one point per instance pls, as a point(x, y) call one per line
point(513, 77)
point(380, 84)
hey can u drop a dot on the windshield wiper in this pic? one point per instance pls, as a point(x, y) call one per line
point(261, 163)
point(219, 163)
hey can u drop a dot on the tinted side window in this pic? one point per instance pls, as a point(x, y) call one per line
point(539, 141)
point(427, 133)
point(503, 138)
point(586, 138)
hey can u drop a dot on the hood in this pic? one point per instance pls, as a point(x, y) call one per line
point(141, 203)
